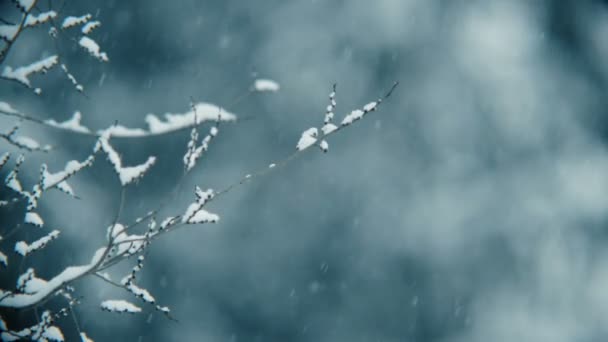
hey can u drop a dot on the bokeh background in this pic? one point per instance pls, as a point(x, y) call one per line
point(471, 207)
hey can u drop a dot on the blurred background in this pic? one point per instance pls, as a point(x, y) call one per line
point(471, 207)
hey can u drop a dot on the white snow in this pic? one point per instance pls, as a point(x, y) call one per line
point(73, 21)
point(203, 216)
point(119, 306)
point(29, 283)
point(7, 108)
point(141, 293)
point(19, 300)
point(265, 85)
point(123, 242)
point(328, 128)
point(85, 338)
point(4, 158)
point(173, 122)
point(93, 48)
point(8, 32)
point(194, 152)
point(26, 5)
point(195, 213)
point(324, 146)
point(29, 143)
point(353, 116)
point(125, 174)
point(33, 218)
point(33, 20)
point(123, 132)
point(50, 180)
point(73, 124)
point(72, 79)
point(90, 26)
point(21, 74)
point(3, 259)
point(13, 183)
point(309, 137)
point(23, 248)
point(370, 106)
point(53, 333)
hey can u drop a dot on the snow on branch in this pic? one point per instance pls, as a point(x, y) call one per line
point(126, 174)
point(59, 179)
point(72, 21)
point(195, 213)
point(199, 113)
point(85, 338)
point(311, 136)
point(4, 158)
point(25, 5)
point(79, 87)
point(33, 20)
point(193, 152)
point(23, 73)
point(90, 26)
point(7, 108)
point(3, 259)
point(23, 142)
point(72, 124)
point(33, 218)
point(43, 331)
point(93, 48)
point(46, 288)
point(8, 32)
point(308, 138)
point(119, 306)
point(24, 248)
point(11, 180)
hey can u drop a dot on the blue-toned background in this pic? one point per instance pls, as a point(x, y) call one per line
point(471, 207)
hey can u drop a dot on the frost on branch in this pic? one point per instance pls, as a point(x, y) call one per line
point(93, 48)
point(119, 306)
point(23, 73)
point(263, 85)
point(24, 249)
point(195, 213)
point(126, 174)
point(73, 124)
